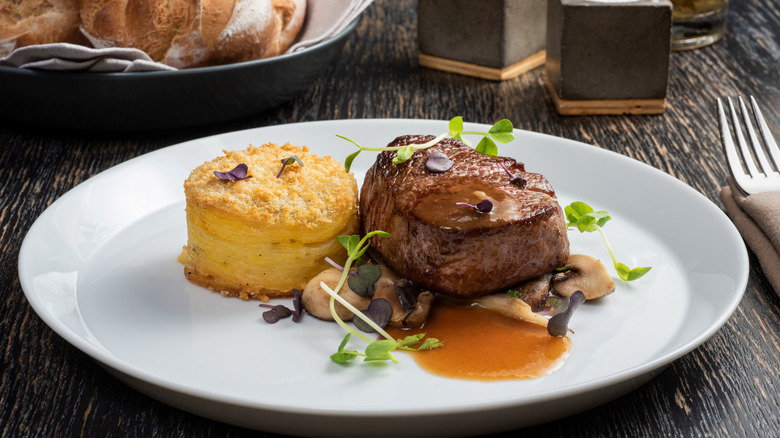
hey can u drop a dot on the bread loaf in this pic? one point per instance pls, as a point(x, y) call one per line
point(194, 33)
point(28, 22)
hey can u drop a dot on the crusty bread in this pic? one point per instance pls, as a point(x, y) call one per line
point(28, 22)
point(194, 33)
point(260, 237)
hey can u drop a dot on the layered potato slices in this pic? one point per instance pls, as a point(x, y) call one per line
point(262, 236)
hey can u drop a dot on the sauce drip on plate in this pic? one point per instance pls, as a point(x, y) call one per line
point(481, 344)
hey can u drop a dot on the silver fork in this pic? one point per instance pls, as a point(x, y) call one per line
point(755, 167)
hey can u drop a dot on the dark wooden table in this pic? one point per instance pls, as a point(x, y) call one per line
point(730, 386)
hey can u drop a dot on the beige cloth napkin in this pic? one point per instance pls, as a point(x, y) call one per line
point(64, 56)
point(324, 19)
point(757, 217)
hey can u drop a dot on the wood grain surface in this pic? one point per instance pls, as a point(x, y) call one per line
point(728, 387)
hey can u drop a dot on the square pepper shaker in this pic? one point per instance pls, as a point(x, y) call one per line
point(489, 39)
point(608, 56)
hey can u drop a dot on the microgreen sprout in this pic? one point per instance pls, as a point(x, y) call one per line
point(584, 218)
point(500, 132)
point(376, 349)
point(380, 311)
point(364, 279)
point(288, 161)
point(437, 162)
point(514, 179)
point(238, 173)
point(279, 311)
point(483, 206)
point(276, 313)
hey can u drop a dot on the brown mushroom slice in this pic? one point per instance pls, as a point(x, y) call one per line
point(535, 291)
point(317, 302)
point(511, 307)
point(411, 315)
point(586, 274)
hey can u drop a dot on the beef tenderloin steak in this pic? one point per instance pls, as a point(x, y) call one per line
point(458, 250)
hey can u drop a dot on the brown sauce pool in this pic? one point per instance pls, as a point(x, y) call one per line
point(481, 344)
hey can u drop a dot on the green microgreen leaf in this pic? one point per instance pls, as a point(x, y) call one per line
point(349, 242)
point(487, 146)
point(456, 126)
point(342, 355)
point(513, 293)
point(380, 350)
point(502, 131)
point(402, 155)
point(586, 220)
point(410, 340)
point(628, 274)
point(350, 158)
point(430, 343)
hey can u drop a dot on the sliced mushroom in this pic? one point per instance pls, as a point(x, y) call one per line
point(511, 307)
point(535, 291)
point(317, 302)
point(585, 274)
point(411, 315)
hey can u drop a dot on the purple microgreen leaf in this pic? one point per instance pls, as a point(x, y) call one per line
point(559, 324)
point(237, 174)
point(482, 206)
point(363, 282)
point(517, 180)
point(276, 313)
point(438, 162)
point(379, 310)
point(288, 161)
point(297, 313)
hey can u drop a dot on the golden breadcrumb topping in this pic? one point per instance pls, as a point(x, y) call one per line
point(306, 196)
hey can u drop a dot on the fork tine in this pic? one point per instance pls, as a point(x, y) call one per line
point(758, 151)
point(747, 157)
point(729, 147)
point(769, 141)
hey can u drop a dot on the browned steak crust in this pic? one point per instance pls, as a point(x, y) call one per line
point(456, 250)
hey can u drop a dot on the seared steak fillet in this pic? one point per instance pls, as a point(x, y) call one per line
point(457, 250)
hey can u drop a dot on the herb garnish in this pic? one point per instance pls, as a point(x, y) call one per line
point(288, 161)
point(483, 206)
point(438, 162)
point(582, 216)
point(276, 313)
point(376, 349)
point(514, 179)
point(279, 311)
point(363, 280)
point(500, 132)
point(238, 173)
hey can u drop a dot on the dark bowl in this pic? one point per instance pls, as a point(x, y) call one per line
point(162, 99)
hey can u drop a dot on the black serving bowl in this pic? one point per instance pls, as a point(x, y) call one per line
point(162, 99)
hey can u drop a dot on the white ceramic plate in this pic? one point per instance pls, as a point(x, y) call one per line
point(99, 267)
